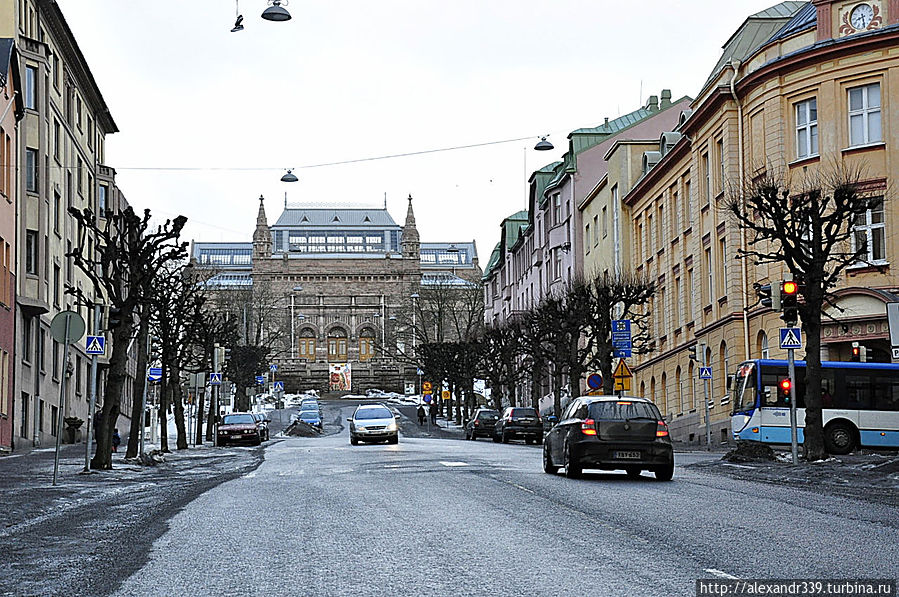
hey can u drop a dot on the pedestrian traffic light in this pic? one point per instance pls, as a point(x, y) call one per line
point(227, 354)
point(114, 319)
point(789, 292)
point(695, 353)
point(859, 353)
point(769, 296)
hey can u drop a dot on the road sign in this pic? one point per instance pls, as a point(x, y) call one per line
point(790, 338)
point(621, 327)
point(622, 377)
point(75, 327)
point(622, 353)
point(215, 379)
point(154, 373)
point(594, 381)
point(896, 353)
point(446, 394)
point(427, 398)
point(279, 386)
point(426, 387)
point(705, 373)
point(260, 380)
point(273, 368)
point(418, 371)
point(96, 345)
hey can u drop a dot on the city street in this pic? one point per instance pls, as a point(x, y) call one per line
point(436, 517)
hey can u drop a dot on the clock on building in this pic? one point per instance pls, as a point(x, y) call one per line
point(861, 17)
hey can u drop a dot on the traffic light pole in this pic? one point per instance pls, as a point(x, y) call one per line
point(794, 434)
point(215, 397)
point(93, 397)
point(708, 422)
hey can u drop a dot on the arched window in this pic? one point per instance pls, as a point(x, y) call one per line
point(679, 388)
point(366, 344)
point(762, 345)
point(691, 374)
point(724, 360)
point(666, 408)
point(652, 390)
point(306, 344)
point(337, 344)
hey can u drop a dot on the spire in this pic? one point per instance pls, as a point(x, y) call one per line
point(262, 237)
point(410, 243)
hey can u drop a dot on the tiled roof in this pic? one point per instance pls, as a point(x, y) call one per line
point(806, 18)
point(342, 217)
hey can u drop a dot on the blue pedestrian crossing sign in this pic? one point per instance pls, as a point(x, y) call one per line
point(96, 345)
point(260, 379)
point(154, 373)
point(272, 368)
point(705, 373)
point(790, 338)
point(279, 386)
point(215, 379)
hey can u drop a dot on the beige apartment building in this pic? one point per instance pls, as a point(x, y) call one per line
point(802, 88)
point(61, 154)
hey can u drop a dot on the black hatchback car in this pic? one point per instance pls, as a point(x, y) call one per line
point(518, 422)
point(610, 433)
point(482, 423)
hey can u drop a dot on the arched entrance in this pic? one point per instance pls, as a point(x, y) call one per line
point(337, 345)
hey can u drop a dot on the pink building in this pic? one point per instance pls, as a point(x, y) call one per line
point(11, 111)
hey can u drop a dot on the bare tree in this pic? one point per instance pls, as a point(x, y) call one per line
point(127, 256)
point(809, 227)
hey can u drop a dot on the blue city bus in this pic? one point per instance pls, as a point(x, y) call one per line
point(860, 403)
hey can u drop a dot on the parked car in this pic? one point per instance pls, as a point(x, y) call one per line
point(262, 422)
point(311, 417)
point(309, 403)
point(610, 433)
point(519, 422)
point(482, 423)
point(238, 428)
point(373, 422)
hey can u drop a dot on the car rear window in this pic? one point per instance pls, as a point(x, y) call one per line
point(623, 409)
point(485, 415)
point(523, 412)
point(239, 420)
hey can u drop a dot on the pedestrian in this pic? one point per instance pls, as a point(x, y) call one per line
point(116, 440)
point(421, 414)
point(433, 411)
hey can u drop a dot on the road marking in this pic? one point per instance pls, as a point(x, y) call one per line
point(720, 574)
point(523, 488)
point(739, 466)
point(250, 475)
point(445, 463)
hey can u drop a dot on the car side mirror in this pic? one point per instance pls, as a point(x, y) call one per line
point(396, 416)
point(553, 419)
point(350, 420)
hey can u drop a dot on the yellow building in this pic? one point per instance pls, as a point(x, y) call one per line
point(802, 87)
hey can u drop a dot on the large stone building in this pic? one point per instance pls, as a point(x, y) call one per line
point(342, 286)
point(61, 154)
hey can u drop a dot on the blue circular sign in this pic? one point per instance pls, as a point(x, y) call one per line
point(594, 381)
point(427, 398)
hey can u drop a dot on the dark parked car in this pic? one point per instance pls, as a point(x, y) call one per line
point(239, 428)
point(311, 417)
point(610, 433)
point(262, 421)
point(482, 423)
point(518, 422)
point(373, 422)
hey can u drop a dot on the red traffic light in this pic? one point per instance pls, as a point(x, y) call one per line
point(790, 287)
point(785, 385)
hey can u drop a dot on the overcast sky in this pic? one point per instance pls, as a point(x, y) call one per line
point(355, 79)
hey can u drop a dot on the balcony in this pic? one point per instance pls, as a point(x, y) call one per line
point(537, 257)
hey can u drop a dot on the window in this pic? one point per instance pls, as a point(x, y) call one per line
point(870, 234)
point(42, 350)
point(707, 177)
point(31, 87)
point(78, 111)
point(57, 358)
point(27, 326)
point(720, 146)
point(558, 264)
point(5, 268)
point(595, 230)
point(722, 245)
point(708, 269)
point(864, 115)
point(57, 71)
point(101, 198)
point(31, 163)
point(56, 285)
point(31, 251)
point(57, 209)
point(366, 347)
point(605, 222)
point(587, 237)
point(807, 128)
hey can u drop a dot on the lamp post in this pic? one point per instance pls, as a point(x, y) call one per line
point(293, 340)
point(414, 297)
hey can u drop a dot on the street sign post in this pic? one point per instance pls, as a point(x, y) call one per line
point(215, 379)
point(622, 377)
point(791, 338)
point(594, 382)
point(622, 344)
point(426, 387)
point(154, 373)
point(95, 345)
point(260, 380)
point(705, 373)
point(66, 327)
point(279, 386)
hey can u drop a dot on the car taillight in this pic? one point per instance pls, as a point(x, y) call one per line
point(477, 423)
point(662, 430)
point(588, 427)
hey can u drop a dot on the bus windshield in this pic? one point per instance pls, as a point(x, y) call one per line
point(744, 388)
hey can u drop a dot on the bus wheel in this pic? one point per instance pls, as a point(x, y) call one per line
point(839, 438)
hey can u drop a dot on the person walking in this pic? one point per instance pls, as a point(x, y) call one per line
point(421, 415)
point(433, 412)
point(116, 440)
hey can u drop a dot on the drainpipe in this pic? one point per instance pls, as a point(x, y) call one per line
point(735, 65)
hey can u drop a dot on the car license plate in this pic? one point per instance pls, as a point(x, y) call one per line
point(628, 455)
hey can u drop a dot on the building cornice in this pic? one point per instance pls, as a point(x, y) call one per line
point(659, 171)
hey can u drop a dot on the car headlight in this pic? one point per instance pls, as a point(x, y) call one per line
point(360, 428)
point(392, 426)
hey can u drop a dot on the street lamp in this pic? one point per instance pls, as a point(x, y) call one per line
point(543, 145)
point(293, 341)
point(414, 296)
point(290, 176)
point(276, 12)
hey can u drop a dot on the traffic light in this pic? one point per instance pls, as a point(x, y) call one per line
point(115, 318)
point(784, 389)
point(696, 353)
point(226, 355)
point(859, 353)
point(769, 296)
point(789, 292)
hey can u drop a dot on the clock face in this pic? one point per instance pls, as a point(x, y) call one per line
point(861, 16)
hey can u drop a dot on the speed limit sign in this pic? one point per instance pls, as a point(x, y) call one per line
point(426, 387)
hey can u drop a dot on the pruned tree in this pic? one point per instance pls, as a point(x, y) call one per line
point(809, 226)
point(127, 256)
point(502, 361)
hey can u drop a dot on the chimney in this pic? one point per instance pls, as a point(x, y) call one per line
point(666, 98)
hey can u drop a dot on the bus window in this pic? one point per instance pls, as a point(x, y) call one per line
point(886, 392)
point(858, 392)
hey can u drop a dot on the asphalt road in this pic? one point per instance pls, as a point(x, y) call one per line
point(433, 516)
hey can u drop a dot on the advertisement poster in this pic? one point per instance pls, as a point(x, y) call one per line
point(340, 377)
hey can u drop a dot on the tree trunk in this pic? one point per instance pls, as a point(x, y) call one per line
point(112, 400)
point(210, 418)
point(201, 400)
point(557, 391)
point(164, 412)
point(241, 400)
point(178, 407)
point(137, 389)
point(536, 375)
point(813, 442)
